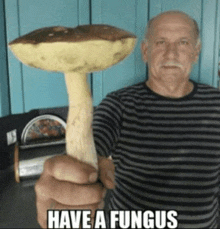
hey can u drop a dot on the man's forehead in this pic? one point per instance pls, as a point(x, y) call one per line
point(173, 19)
point(177, 22)
point(174, 28)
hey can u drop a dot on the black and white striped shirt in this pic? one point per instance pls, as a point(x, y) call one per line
point(166, 151)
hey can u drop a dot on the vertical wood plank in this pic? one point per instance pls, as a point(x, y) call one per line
point(4, 92)
point(209, 27)
point(155, 7)
point(84, 12)
point(14, 66)
point(216, 81)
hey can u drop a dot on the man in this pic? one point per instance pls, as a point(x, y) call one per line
point(163, 136)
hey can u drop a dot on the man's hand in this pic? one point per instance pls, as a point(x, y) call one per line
point(67, 183)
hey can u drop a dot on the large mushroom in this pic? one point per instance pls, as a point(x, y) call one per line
point(76, 52)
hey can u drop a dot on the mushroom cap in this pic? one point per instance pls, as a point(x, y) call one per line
point(85, 48)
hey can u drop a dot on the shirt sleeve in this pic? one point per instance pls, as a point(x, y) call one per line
point(107, 124)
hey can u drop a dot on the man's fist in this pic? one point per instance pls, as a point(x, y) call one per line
point(67, 183)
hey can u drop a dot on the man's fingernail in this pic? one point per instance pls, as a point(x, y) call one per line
point(93, 177)
point(111, 176)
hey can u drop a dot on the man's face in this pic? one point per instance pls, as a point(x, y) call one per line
point(171, 48)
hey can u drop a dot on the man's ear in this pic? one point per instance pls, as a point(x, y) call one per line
point(197, 51)
point(144, 50)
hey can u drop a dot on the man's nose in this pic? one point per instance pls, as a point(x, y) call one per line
point(171, 51)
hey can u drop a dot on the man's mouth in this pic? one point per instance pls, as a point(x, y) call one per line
point(171, 65)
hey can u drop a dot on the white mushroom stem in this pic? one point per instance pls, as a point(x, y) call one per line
point(79, 135)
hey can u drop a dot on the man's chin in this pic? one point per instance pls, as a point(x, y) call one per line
point(172, 76)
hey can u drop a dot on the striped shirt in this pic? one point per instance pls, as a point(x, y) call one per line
point(166, 151)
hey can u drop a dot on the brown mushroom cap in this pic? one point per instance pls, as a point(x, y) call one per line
point(79, 33)
point(85, 48)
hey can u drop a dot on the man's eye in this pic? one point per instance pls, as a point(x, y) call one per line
point(183, 42)
point(160, 42)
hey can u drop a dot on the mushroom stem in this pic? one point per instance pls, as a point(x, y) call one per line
point(79, 135)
